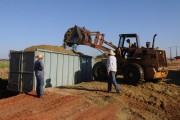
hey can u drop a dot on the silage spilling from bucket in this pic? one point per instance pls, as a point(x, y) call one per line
point(50, 47)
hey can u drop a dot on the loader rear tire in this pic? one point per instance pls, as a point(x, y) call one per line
point(133, 73)
point(100, 71)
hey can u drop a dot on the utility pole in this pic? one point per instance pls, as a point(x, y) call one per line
point(177, 50)
point(170, 48)
point(170, 53)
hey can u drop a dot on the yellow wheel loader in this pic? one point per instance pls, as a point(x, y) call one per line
point(134, 62)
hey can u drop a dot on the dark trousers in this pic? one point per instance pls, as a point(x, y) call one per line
point(39, 84)
point(112, 80)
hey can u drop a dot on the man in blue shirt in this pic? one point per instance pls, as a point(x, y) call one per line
point(39, 72)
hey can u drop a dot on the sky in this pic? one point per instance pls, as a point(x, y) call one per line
point(25, 23)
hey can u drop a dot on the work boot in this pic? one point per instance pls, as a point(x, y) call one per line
point(118, 92)
point(39, 96)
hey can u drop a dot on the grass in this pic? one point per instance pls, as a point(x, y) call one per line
point(4, 76)
point(4, 66)
point(173, 63)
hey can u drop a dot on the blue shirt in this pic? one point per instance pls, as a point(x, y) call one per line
point(39, 68)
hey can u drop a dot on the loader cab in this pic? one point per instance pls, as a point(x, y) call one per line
point(132, 38)
point(128, 43)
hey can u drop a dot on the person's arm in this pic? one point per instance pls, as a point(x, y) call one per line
point(108, 65)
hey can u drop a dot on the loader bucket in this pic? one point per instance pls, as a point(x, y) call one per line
point(76, 35)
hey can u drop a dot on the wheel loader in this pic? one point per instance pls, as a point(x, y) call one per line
point(136, 63)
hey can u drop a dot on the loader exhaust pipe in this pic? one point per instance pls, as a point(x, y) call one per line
point(153, 40)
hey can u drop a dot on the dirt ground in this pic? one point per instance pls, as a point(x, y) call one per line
point(90, 101)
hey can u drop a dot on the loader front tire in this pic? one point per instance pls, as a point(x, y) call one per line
point(133, 73)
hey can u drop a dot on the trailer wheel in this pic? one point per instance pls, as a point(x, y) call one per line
point(133, 73)
point(99, 71)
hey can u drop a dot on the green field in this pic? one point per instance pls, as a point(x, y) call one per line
point(4, 67)
point(4, 64)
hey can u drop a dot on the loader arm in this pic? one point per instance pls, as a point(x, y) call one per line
point(81, 36)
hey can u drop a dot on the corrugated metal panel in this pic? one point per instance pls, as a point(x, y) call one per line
point(53, 70)
point(77, 76)
point(14, 76)
point(65, 70)
point(60, 69)
point(88, 69)
point(47, 66)
point(27, 74)
point(71, 70)
point(21, 71)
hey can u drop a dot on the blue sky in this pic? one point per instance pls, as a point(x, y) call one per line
point(25, 23)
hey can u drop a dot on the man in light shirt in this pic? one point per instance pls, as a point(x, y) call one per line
point(111, 69)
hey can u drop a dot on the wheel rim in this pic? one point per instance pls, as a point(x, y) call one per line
point(131, 75)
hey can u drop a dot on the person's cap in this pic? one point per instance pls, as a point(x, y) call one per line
point(39, 56)
point(128, 40)
point(111, 52)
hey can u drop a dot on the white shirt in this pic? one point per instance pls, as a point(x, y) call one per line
point(111, 64)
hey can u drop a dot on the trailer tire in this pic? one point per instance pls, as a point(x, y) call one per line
point(99, 71)
point(133, 73)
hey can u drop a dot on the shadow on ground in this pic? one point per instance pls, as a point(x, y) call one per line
point(4, 93)
point(173, 77)
point(119, 81)
point(81, 88)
